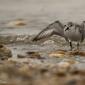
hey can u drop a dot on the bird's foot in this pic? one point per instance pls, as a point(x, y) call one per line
point(71, 49)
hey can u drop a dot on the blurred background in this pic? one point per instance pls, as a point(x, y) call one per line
point(47, 10)
point(40, 13)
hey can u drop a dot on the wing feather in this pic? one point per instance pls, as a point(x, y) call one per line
point(56, 28)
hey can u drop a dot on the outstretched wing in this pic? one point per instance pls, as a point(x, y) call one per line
point(56, 28)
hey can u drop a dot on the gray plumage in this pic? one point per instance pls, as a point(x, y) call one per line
point(74, 32)
point(83, 27)
point(56, 28)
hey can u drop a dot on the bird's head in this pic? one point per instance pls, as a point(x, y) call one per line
point(68, 26)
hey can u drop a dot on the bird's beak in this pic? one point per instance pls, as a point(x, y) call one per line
point(66, 28)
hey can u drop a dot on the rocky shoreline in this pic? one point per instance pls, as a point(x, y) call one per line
point(28, 72)
point(34, 69)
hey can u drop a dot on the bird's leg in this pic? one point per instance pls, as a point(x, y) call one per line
point(71, 47)
point(78, 46)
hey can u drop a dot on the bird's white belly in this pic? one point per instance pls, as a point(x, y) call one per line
point(73, 36)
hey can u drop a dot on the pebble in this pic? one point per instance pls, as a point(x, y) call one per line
point(48, 42)
point(64, 53)
point(17, 22)
point(5, 52)
point(59, 53)
point(34, 55)
point(71, 82)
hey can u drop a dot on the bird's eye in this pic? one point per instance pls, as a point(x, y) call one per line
point(70, 25)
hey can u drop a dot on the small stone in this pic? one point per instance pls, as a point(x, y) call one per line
point(5, 52)
point(64, 64)
point(71, 82)
point(61, 72)
point(74, 71)
point(34, 55)
point(70, 61)
point(21, 56)
point(44, 70)
point(76, 52)
point(24, 70)
point(59, 53)
point(48, 42)
point(18, 22)
point(80, 68)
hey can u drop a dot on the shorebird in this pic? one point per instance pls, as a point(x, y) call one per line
point(70, 32)
point(74, 33)
point(55, 28)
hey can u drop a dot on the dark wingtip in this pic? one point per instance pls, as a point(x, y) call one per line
point(35, 39)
